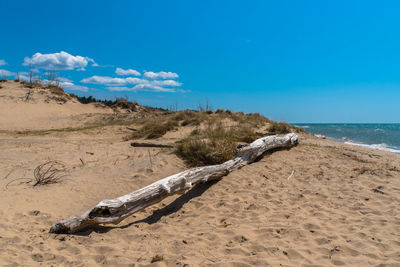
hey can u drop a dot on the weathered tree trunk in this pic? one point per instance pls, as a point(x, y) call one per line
point(139, 144)
point(115, 210)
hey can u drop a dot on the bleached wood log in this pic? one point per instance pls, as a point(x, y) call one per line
point(115, 210)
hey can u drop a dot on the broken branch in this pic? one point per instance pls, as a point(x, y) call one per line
point(137, 144)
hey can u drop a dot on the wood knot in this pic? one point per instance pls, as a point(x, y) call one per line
point(100, 212)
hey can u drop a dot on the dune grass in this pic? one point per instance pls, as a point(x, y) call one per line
point(213, 141)
point(283, 128)
point(57, 90)
point(154, 128)
point(214, 144)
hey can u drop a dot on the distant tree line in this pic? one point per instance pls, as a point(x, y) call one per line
point(118, 102)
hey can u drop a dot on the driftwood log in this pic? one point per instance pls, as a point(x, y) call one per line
point(138, 144)
point(115, 210)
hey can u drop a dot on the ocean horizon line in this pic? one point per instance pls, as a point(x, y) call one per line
point(344, 123)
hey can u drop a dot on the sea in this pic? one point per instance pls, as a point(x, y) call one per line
point(381, 136)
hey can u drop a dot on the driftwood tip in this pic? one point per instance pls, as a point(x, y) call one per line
point(294, 138)
point(59, 228)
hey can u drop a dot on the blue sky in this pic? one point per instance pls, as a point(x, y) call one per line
point(298, 61)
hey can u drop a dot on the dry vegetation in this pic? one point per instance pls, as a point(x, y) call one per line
point(59, 94)
point(50, 172)
point(216, 136)
point(52, 87)
point(213, 145)
point(281, 128)
point(2, 81)
point(155, 128)
point(117, 103)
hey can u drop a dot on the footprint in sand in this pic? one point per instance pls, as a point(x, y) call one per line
point(43, 257)
point(103, 250)
point(100, 259)
point(73, 250)
point(322, 241)
point(311, 227)
point(292, 254)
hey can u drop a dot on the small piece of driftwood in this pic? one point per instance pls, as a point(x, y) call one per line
point(130, 128)
point(115, 210)
point(137, 144)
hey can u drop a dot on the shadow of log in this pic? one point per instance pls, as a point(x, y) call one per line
point(171, 208)
point(177, 204)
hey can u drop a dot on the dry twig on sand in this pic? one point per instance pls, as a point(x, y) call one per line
point(130, 128)
point(8, 174)
point(151, 162)
point(139, 144)
point(10, 182)
point(290, 176)
point(49, 172)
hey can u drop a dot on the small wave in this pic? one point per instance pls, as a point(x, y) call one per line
point(302, 126)
point(383, 147)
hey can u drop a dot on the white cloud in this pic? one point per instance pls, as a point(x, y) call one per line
point(142, 87)
point(24, 78)
point(119, 88)
point(160, 75)
point(23, 73)
point(66, 84)
point(105, 80)
point(58, 61)
point(2, 62)
point(151, 88)
point(111, 81)
point(73, 87)
point(166, 83)
point(62, 79)
point(27, 73)
point(120, 71)
point(120, 84)
point(6, 73)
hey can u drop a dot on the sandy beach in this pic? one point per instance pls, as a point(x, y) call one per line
point(320, 203)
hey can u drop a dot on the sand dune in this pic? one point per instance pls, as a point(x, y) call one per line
point(43, 110)
point(339, 208)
